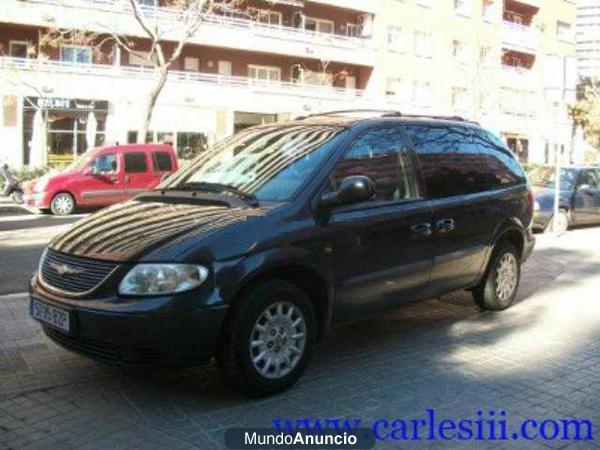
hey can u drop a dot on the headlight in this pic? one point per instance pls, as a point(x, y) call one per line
point(157, 279)
point(536, 206)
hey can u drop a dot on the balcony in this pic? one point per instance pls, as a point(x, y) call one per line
point(533, 3)
point(113, 81)
point(518, 77)
point(356, 5)
point(217, 31)
point(520, 37)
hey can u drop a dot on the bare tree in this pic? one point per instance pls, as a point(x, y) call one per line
point(168, 29)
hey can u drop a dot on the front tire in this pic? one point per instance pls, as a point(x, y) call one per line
point(62, 204)
point(268, 339)
point(499, 286)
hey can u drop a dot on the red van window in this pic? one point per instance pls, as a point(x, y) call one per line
point(162, 162)
point(135, 162)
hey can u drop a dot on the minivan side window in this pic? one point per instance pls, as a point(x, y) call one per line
point(135, 162)
point(503, 167)
point(105, 163)
point(450, 161)
point(162, 162)
point(380, 154)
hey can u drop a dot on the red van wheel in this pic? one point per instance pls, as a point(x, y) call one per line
point(62, 204)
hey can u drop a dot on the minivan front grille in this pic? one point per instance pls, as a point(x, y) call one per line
point(73, 274)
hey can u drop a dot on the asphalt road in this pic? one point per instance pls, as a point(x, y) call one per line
point(22, 240)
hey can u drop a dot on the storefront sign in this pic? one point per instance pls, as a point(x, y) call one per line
point(65, 104)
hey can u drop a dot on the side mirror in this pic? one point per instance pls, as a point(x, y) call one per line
point(353, 189)
point(88, 171)
point(585, 188)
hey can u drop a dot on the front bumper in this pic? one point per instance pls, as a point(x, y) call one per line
point(144, 332)
point(40, 200)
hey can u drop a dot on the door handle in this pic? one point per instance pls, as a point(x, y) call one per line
point(444, 225)
point(421, 229)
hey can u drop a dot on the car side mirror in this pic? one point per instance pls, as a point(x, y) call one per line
point(585, 188)
point(88, 171)
point(353, 189)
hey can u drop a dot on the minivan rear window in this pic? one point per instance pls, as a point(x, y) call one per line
point(162, 162)
point(135, 162)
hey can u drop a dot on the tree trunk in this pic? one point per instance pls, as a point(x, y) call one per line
point(160, 79)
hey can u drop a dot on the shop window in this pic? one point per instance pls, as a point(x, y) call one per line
point(189, 145)
point(74, 54)
point(135, 162)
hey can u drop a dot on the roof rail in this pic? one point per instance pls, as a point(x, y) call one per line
point(384, 113)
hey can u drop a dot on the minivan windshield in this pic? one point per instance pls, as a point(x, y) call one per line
point(80, 162)
point(269, 163)
point(546, 177)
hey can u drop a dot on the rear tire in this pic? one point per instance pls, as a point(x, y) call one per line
point(62, 204)
point(498, 288)
point(268, 339)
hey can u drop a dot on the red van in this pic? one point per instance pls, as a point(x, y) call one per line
point(102, 177)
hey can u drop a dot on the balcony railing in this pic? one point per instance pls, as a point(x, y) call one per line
point(517, 76)
point(520, 37)
point(178, 76)
point(166, 14)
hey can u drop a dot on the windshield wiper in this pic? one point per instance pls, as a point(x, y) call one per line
point(217, 188)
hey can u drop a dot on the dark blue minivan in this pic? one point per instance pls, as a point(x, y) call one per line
point(578, 201)
point(252, 252)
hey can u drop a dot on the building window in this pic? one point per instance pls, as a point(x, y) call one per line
point(485, 56)
point(563, 32)
point(18, 49)
point(319, 25)
point(264, 73)
point(148, 2)
point(460, 51)
point(191, 64)
point(421, 93)
point(461, 7)
point(423, 44)
point(488, 10)
point(393, 89)
point(74, 54)
point(353, 29)
point(460, 98)
point(140, 59)
point(225, 68)
point(266, 16)
point(394, 39)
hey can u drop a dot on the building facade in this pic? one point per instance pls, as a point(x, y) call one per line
point(588, 38)
point(507, 64)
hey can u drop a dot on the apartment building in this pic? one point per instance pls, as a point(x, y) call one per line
point(588, 38)
point(507, 64)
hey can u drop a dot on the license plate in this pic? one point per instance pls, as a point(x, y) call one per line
point(56, 317)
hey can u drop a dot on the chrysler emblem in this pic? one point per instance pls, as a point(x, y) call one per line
point(64, 271)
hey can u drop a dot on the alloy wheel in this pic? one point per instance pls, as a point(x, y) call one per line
point(63, 204)
point(278, 340)
point(506, 277)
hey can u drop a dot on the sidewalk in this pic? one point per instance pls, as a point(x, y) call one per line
point(539, 359)
point(7, 206)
